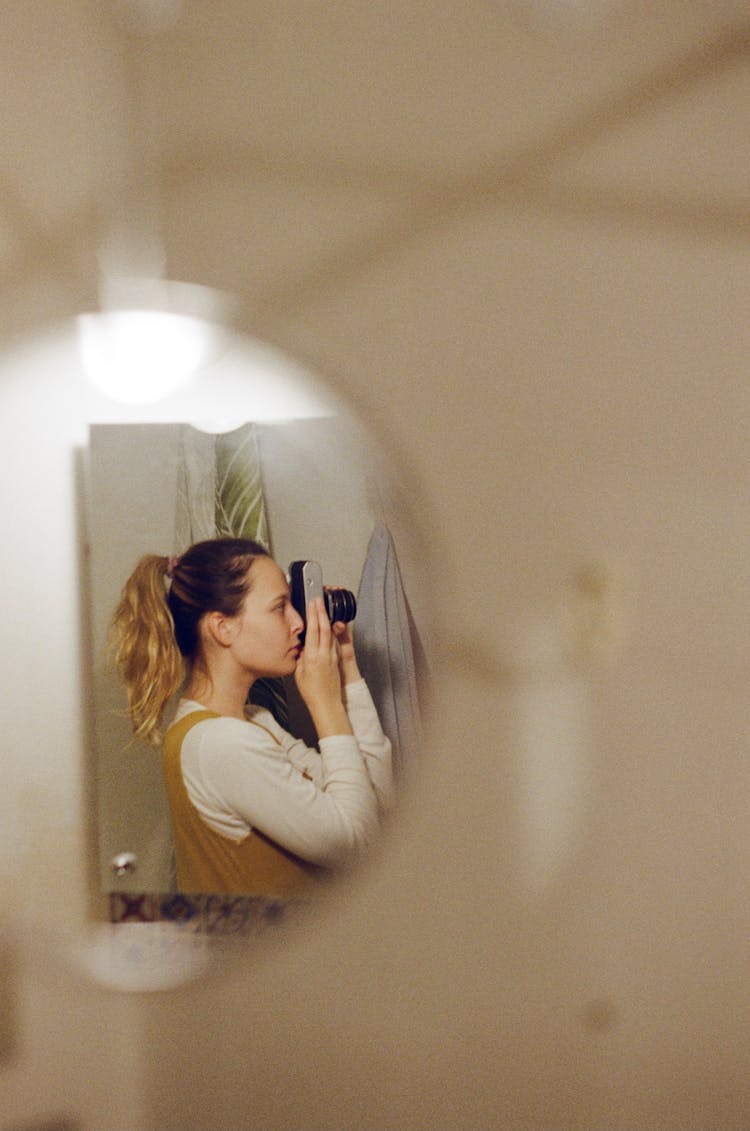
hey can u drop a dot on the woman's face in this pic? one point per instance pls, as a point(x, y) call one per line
point(267, 629)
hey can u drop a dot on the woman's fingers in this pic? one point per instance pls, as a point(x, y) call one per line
point(312, 629)
point(318, 634)
point(317, 673)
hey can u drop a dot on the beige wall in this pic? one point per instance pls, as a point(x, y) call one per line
point(555, 934)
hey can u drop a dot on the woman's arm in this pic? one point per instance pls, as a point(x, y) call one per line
point(239, 776)
point(375, 746)
point(318, 675)
point(332, 811)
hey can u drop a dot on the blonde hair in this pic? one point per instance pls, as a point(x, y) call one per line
point(144, 648)
point(154, 629)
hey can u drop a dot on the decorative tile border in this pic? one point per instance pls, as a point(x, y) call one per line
point(224, 915)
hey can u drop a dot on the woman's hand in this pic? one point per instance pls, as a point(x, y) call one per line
point(350, 672)
point(318, 676)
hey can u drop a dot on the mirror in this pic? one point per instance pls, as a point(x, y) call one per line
point(303, 477)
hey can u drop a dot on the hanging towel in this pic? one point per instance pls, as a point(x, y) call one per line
point(240, 504)
point(219, 487)
point(389, 650)
point(195, 510)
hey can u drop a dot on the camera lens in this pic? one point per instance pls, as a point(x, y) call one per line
point(341, 605)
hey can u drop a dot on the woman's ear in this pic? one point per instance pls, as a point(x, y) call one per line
point(220, 629)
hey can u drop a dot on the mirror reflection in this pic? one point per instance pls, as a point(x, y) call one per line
point(247, 744)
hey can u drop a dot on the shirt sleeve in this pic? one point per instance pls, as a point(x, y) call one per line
point(375, 746)
point(265, 780)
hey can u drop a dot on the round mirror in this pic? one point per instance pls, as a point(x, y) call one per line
point(252, 446)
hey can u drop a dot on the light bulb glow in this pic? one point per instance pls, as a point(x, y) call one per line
point(141, 356)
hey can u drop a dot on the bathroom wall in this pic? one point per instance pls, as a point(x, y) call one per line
point(554, 936)
point(555, 931)
point(477, 976)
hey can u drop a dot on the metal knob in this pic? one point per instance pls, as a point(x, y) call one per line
point(124, 863)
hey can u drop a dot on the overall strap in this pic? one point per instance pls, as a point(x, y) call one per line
point(209, 862)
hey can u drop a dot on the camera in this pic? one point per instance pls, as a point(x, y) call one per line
point(306, 583)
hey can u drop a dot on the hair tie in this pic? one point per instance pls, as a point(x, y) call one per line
point(172, 564)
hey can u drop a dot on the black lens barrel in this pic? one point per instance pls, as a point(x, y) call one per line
point(341, 604)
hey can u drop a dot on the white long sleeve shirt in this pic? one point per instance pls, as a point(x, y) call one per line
point(323, 805)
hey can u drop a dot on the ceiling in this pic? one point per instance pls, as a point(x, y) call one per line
point(335, 134)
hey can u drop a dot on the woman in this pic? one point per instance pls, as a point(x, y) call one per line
point(253, 809)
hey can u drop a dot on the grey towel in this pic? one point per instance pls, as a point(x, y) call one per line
point(389, 650)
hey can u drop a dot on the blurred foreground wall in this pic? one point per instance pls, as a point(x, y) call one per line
point(550, 337)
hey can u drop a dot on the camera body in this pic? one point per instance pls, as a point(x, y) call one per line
point(306, 583)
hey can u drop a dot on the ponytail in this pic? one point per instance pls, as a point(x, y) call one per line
point(144, 647)
point(155, 628)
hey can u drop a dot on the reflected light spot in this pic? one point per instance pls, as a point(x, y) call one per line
point(554, 733)
point(142, 957)
point(142, 356)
